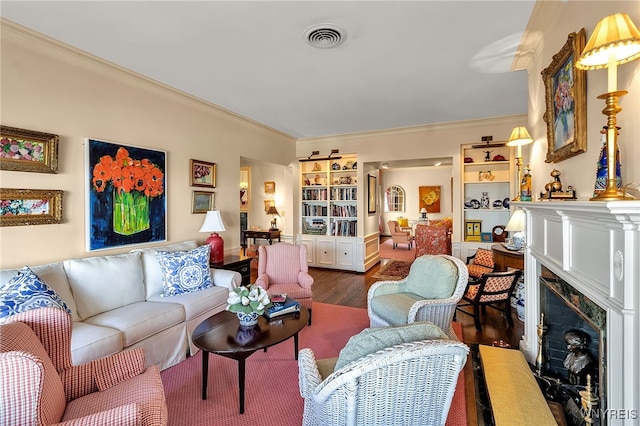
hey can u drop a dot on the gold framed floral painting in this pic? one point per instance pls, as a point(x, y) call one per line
point(24, 150)
point(565, 99)
point(202, 173)
point(30, 207)
point(429, 198)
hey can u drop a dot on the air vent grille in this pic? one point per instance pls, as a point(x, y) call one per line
point(325, 36)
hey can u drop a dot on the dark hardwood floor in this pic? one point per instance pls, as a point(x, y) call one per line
point(350, 289)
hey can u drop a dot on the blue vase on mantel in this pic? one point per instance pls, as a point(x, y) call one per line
point(247, 320)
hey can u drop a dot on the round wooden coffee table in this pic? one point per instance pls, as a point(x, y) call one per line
point(222, 335)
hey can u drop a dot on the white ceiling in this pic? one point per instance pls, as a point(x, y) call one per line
point(403, 63)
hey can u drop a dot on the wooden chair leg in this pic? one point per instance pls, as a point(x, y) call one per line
point(507, 312)
point(309, 316)
point(476, 316)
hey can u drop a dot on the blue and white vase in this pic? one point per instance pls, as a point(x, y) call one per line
point(247, 320)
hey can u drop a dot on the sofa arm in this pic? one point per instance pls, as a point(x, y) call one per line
point(225, 278)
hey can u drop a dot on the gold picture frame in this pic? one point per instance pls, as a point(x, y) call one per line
point(565, 98)
point(30, 207)
point(24, 150)
point(269, 203)
point(202, 201)
point(269, 187)
point(202, 173)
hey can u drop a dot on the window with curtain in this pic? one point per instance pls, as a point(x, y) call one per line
point(394, 199)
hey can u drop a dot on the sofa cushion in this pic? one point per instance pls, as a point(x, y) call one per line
point(26, 291)
point(373, 339)
point(185, 271)
point(197, 303)
point(89, 342)
point(54, 277)
point(101, 284)
point(153, 270)
point(432, 277)
point(138, 321)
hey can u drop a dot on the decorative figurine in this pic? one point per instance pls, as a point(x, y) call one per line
point(487, 157)
point(578, 361)
point(525, 185)
point(601, 172)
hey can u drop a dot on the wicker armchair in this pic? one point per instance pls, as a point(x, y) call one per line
point(411, 299)
point(40, 386)
point(407, 384)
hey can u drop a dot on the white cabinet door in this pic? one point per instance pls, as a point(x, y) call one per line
point(325, 252)
point(308, 241)
point(345, 253)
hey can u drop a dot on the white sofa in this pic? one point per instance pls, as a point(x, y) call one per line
point(116, 304)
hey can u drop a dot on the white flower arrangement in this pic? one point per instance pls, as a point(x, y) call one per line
point(247, 299)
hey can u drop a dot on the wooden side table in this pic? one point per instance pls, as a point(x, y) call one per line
point(505, 258)
point(236, 263)
point(265, 234)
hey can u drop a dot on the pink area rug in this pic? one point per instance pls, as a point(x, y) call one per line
point(399, 253)
point(272, 393)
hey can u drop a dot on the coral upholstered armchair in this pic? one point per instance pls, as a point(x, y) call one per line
point(39, 386)
point(282, 268)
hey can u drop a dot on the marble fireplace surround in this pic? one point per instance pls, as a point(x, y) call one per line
point(595, 247)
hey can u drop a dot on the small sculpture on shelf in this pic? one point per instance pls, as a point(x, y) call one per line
point(487, 156)
point(554, 189)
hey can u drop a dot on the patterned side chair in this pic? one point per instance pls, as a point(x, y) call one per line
point(494, 290)
point(282, 268)
point(40, 386)
point(480, 263)
point(433, 238)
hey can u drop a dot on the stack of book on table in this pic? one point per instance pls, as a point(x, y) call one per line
point(281, 304)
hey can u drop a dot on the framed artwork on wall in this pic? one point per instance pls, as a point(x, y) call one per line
point(126, 195)
point(565, 99)
point(202, 201)
point(24, 150)
point(269, 203)
point(245, 187)
point(269, 187)
point(202, 173)
point(371, 195)
point(30, 207)
point(429, 198)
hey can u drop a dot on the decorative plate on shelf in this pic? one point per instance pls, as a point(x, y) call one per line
point(335, 166)
point(475, 204)
point(497, 204)
point(505, 203)
point(348, 165)
point(355, 165)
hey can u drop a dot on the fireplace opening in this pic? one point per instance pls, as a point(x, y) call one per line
point(571, 318)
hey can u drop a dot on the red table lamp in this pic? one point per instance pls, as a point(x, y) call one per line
point(213, 223)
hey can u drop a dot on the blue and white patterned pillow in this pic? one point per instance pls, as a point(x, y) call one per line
point(26, 291)
point(185, 271)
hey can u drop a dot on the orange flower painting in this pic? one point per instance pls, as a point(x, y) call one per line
point(429, 198)
point(127, 195)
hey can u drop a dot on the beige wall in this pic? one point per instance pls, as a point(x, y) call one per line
point(548, 30)
point(50, 88)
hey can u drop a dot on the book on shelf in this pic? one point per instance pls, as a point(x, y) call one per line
point(282, 308)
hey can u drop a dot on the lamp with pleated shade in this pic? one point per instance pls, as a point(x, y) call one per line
point(213, 223)
point(519, 136)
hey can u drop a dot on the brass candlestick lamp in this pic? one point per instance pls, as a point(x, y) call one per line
point(519, 136)
point(615, 41)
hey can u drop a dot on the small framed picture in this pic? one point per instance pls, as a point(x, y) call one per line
point(202, 201)
point(202, 173)
point(269, 187)
point(28, 151)
point(269, 203)
point(30, 207)
point(486, 237)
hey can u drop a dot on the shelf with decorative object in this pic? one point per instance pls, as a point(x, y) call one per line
point(487, 187)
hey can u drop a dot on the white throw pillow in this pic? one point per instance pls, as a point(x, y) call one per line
point(185, 271)
point(26, 291)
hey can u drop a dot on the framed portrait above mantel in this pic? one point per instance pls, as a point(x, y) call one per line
point(565, 99)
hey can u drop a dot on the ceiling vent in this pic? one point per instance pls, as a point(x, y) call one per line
point(325, 36)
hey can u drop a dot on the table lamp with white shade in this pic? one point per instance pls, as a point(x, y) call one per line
point(213, 223)
point(423, 214)
point(516, 226)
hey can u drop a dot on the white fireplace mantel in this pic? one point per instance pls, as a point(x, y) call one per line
point(595, 247)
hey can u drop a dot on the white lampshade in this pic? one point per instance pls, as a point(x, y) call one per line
point(212, 222)
point(519, 136)
point(423, 210)
point(516, 223)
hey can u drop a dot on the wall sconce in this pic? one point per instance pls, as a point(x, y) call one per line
point(615, 41)
point(519, 136)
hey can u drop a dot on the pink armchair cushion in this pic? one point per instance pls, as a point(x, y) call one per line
point(26, 366)
point(111, 370)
